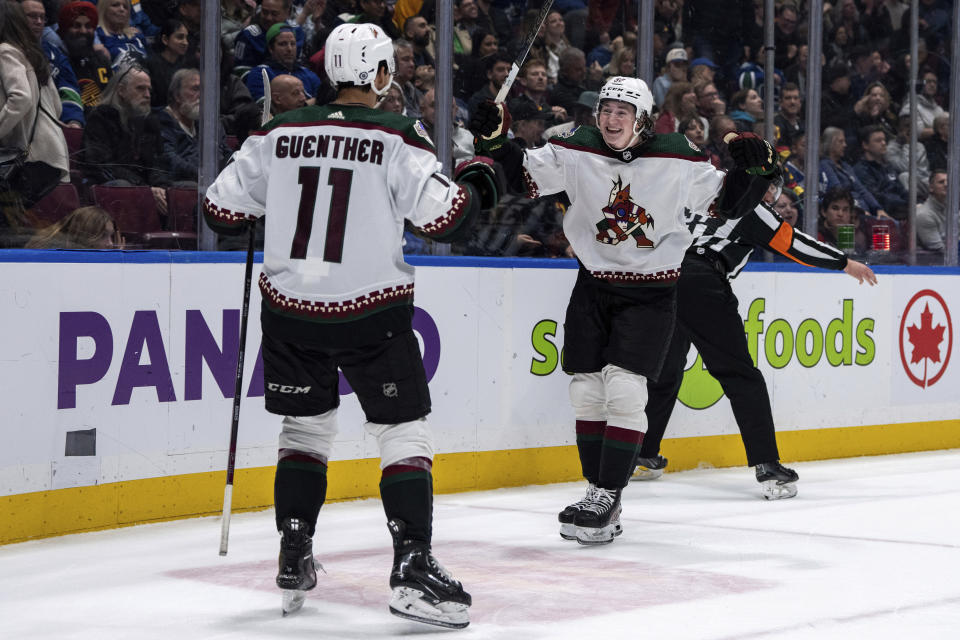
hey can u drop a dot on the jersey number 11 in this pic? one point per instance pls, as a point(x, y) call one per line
point(340, 180)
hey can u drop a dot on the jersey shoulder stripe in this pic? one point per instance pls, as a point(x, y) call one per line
point(672, 145)
point(357, 117)
point(584, 138)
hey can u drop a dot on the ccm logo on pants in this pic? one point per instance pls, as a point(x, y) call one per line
point(286, 388)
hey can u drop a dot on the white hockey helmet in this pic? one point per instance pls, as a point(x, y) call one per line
point(632, 91)
point(353, 53)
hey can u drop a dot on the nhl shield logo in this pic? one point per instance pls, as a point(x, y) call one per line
point(390, 389)
point(623, 218)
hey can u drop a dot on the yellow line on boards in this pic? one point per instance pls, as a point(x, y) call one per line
point(61, 511)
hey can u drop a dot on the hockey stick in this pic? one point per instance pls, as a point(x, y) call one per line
point(238, 388)
point(237, 392)
point(524, 50)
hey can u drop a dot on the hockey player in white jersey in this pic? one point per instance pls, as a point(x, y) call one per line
point(335, 184)
point(628, 191)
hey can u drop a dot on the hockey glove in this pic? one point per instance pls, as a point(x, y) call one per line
point(489, 124)
point(480, 173)
point(753, 154)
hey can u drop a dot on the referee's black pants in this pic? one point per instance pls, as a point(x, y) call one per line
point(708, 316)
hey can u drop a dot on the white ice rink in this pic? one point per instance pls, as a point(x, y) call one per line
point(868, 549)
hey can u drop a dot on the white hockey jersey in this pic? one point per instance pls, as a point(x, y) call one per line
point(626, 218)
point(335, 184)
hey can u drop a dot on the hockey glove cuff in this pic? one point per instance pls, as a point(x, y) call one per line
point(481, 173)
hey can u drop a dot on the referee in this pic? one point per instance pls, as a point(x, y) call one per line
point(708, 317)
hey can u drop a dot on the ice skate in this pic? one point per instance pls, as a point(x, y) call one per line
point(298, 567)
point(776, 481)
point(422, 589)
point(649, 468)
point(567, 529)
point(598, 522)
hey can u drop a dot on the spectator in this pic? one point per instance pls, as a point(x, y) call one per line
point(83, 228)
point(237, 107)
point(936, 145)
point(898, 155)
point(932, 214)
point(785, 36)
point(375, 12)
point(392, 99)
point(716, 148)
point(91, 64)
point(492, 19)
point(846, 15)
point(836, 49)
point(462, 140)
point(572, 79)
point(235, 15)
point(179, 129)
point(692, 128)
point(251, 43)
point(709, 103)
point(29, 91)
point(528, 124)
point(793, 168)
point(747, 110)
point(286, 94)
point(876, 174)
point(836, 208)
point(124, 42)
point(550, 44)
point(313, 18)
point(787, 208)
point(417, 31)
point(622, 63)
point(583, 114)
point(797, 72)
point(873, 109)
point(121, 146)
point(702, 69)
point(927, 107)
point(532, 82)
point(836, 172)
point(60, 68)
point(167, 56)
point(788, 122)
point(282, 45)
point(188, 12)
point(862, 70)
point(836, 104)
point(498, 67)
point(406, 70)
point(675, 71)
point(470, 71)
point(465, 14)
point(680, 104)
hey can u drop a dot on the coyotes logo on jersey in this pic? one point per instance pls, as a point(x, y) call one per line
point(622, 217)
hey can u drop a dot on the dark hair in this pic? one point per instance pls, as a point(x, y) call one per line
point(739, 99)
point(15, 31)
point(491, 60)
point(168, 29)
point(477, 39)
point(789, 86)
point(834, 194)
point(867, 131)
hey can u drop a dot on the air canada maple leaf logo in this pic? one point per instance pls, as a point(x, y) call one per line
point(926, 338)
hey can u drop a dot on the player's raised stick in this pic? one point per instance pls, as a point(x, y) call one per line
point(524, 50)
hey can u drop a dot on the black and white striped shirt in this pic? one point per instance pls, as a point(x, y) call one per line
point(732, 241)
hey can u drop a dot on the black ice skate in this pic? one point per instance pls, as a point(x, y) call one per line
point(649, 468)
point(776, 481)
point(298, 568)
point(422, 589)
point(598, 521)
point(568, 531)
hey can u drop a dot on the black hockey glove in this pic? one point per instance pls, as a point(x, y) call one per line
point(480, 173)
point(753, 154)
point(489, 124)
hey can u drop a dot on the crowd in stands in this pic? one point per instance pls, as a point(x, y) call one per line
point(127, 77)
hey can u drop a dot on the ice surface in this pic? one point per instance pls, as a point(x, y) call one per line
point(868, 549)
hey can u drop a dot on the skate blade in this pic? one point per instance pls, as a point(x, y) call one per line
point(642, 473)
point(292, 600)
point(409, 603)
point(568, 531)
point(603, 535)
point(772, 490)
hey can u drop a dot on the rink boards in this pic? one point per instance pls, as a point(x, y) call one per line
point(118, 373)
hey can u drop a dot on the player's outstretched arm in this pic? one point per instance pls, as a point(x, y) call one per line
point(861, 272)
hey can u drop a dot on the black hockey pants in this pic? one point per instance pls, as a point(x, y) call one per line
point(707, 316)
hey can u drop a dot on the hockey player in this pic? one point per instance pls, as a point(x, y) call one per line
point(628, 190)
point(334, 184)
point(708, 316)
